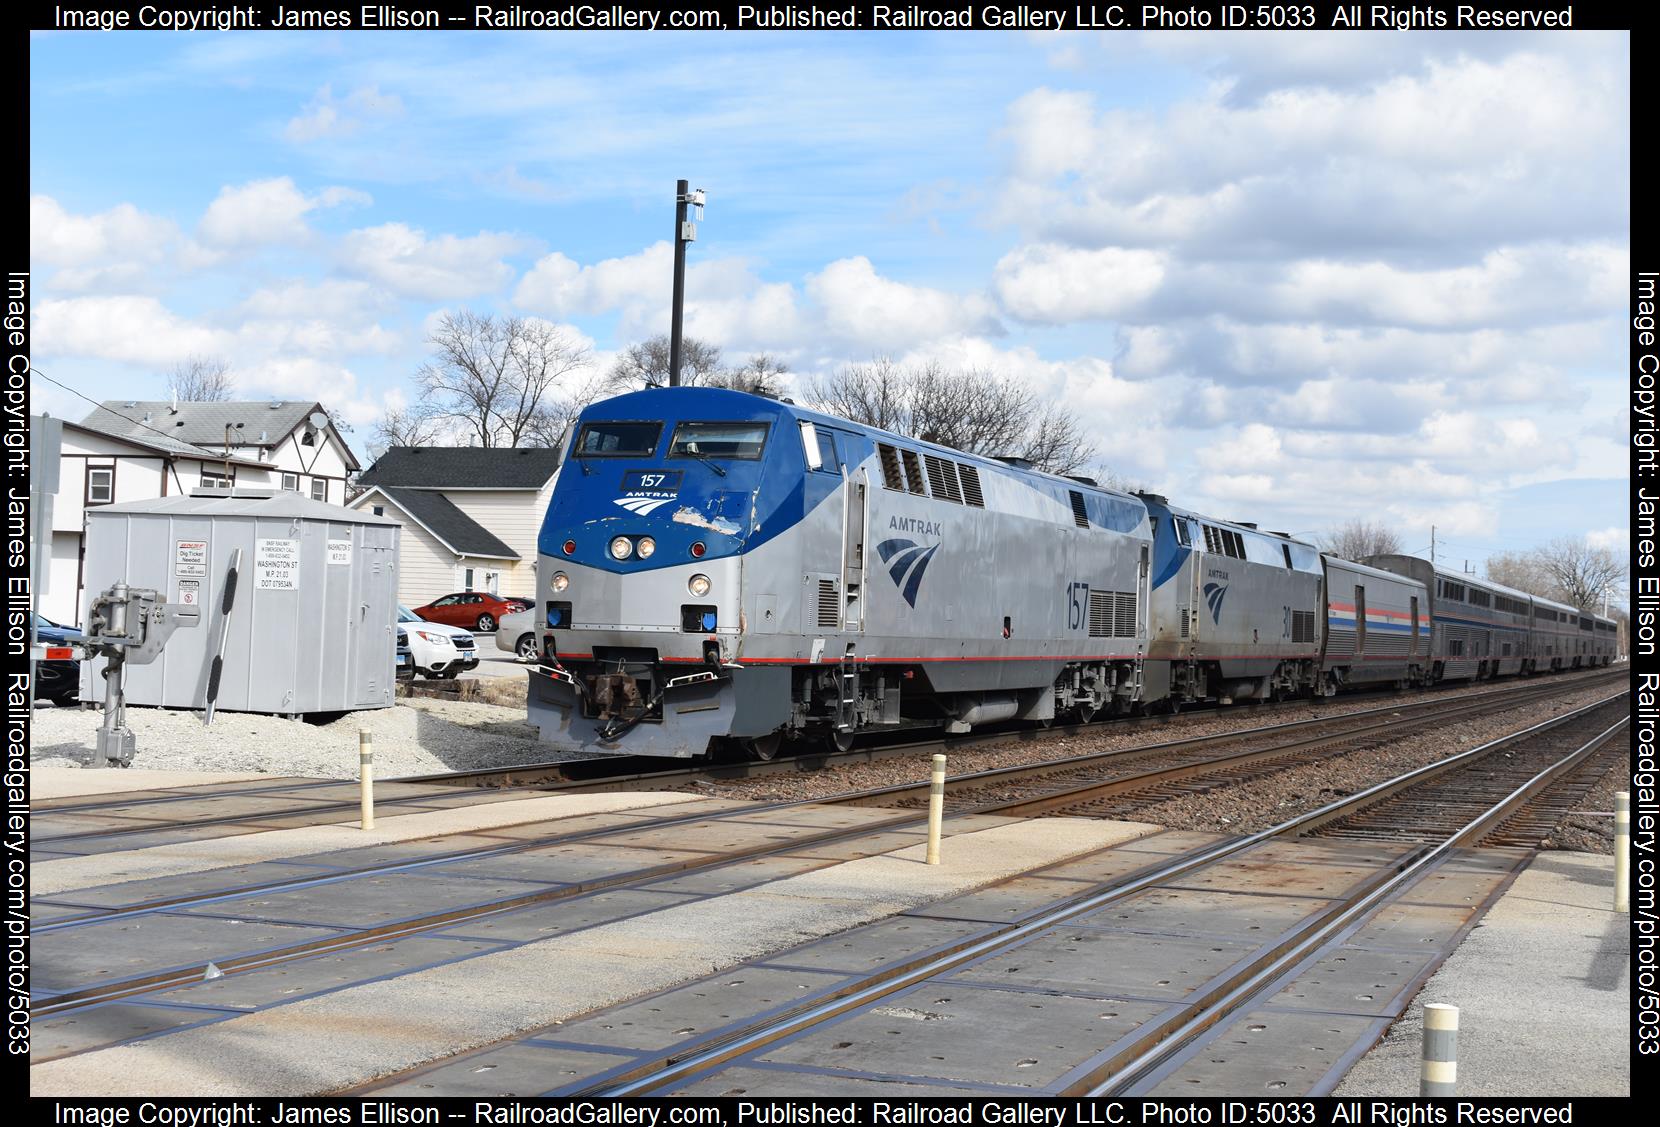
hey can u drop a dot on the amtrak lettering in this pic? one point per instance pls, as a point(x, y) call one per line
point(914, 524)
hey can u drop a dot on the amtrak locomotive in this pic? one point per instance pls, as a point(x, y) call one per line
point(722, 571)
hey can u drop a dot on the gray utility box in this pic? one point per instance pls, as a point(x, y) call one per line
point(311, 627)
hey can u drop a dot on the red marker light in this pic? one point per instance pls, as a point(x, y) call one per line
point(570, 547)
point(698, 549)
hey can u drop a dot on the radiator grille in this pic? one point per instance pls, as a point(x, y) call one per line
point(1184, 622)
point(1080, 515)
point(971, 486)
point(829, 603)
point(1123, 622)
point(892, 475)
point(1100, 614)
point(1302, 626)
point(942, 478)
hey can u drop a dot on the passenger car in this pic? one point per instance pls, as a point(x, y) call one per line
point(516, 634)
point(477, 609)
point(435, 649)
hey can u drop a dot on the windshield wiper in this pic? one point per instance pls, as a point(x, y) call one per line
point(704, 458)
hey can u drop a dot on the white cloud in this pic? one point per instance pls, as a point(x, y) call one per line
point(441, 268)
point(560, 286)
point(265, 211)
point(859, 306)
point(136, 330)
point(329, 117)
point(118, 248)
point(1056, 284)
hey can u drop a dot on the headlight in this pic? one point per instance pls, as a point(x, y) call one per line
point(435, 639)
point(561, 581)
point(620, 547)
point(698, 585)
point(645, 547)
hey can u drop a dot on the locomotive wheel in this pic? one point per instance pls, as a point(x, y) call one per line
point(764, 748)
point(838, 739)
point(1086, 713)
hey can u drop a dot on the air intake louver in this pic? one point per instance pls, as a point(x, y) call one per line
point(971, 486)
point(1124, 615)
point(829, 603)
point(1100, 614)
point(1080, 515)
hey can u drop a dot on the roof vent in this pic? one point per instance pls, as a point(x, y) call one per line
point(265, 436)
point(276, 404)
point(1245, 524)
point(130, 404)
point(1017, 463)
point(147, 418)
point(1084, 480)
point(1155, 498)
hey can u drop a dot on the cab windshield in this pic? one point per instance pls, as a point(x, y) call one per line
point(617, 440)
point(718, 440)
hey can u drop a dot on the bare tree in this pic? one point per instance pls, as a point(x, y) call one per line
point(1567, 570)
point(493, 381)
point(972, 410)
point(1359, 539)
point(407, 427)
point(761, 374)
point(1522, 571)
point(647, 365)
point(1582, 573)
point(202, 379)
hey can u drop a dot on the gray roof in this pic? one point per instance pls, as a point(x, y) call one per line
point(438, 515)
point(152, 441)
point(280, 505)
point(202, 424)
point(464, 467)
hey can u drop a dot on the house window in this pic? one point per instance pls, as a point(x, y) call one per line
point(213, 479)
point(291, 481)
point(380, 510)
point(319, 489)
point(100, 485)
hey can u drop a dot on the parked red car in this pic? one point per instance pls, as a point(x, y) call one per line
point(474, 610)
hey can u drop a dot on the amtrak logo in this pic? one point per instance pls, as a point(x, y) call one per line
point(1214, 593)
point(907, 562)
point(644, 506)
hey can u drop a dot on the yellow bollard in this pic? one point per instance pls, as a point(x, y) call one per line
point(1622, 851)
point(366, 777)
point(936, 809)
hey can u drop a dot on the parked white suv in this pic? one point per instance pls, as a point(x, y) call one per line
point(516, 633)
point(437, 650)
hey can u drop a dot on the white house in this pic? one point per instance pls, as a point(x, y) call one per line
point(471, 516)
point(136, 451)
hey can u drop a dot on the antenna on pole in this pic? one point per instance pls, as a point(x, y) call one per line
point(684, 232)
point(1432, 545)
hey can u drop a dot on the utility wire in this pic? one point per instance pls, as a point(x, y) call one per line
point(143, 426)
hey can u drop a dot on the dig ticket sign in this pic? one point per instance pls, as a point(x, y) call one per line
point(277, 565)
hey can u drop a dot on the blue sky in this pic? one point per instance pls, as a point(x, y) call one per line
point(1289, 278)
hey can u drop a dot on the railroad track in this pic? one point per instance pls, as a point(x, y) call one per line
point(1072, 794)
point(598, 774)
point(1136, 1058)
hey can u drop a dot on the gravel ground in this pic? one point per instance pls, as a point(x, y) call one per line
point(415, 737)
point(1260, 803)
point(1590, 828)
point(1106, 737)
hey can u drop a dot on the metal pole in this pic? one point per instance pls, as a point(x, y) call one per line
point(1439, 1073)
point(366, 777)
point(936, 809)
point(1622, 851)
point(680, 191)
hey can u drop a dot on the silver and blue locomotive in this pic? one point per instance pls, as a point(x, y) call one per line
point(722, 571)
point(720, 568)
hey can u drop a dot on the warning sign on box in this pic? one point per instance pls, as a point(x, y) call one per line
point(190, 557)
point(277, 565)
point(190, 592)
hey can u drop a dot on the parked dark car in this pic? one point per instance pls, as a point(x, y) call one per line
point(472, 610)
point(57, 679)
